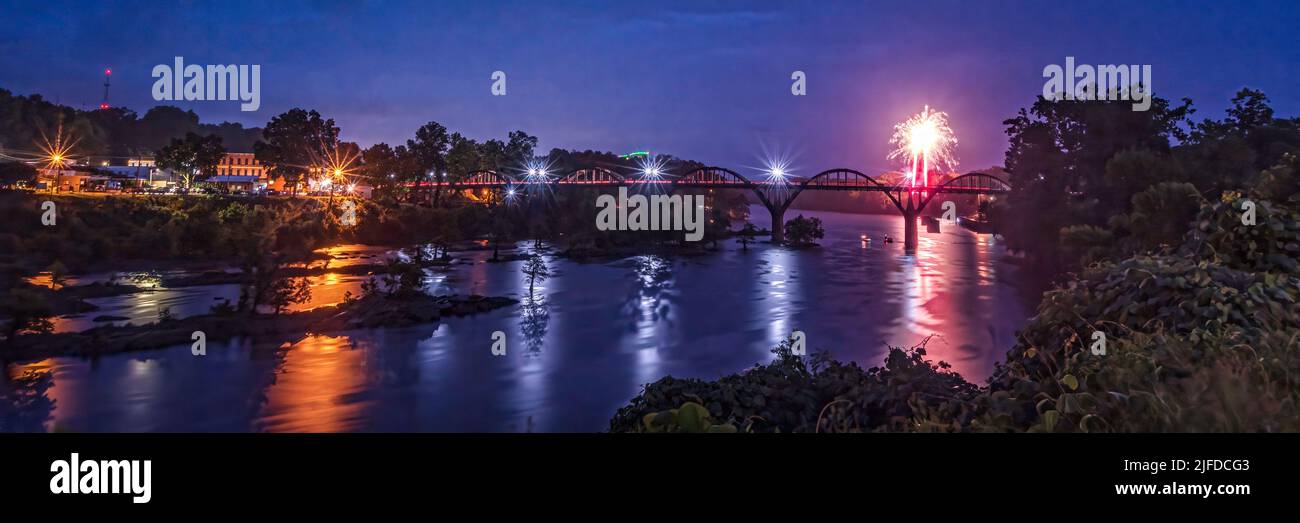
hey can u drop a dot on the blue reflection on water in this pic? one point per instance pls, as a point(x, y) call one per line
point(592, 335)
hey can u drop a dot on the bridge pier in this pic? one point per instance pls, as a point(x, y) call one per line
point(778, 223)
point(911, 236)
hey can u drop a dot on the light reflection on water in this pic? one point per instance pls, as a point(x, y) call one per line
point(584, 345)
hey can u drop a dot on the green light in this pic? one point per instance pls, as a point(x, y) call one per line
point(637, 153)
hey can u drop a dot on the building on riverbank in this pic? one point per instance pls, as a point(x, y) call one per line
point(240, 171)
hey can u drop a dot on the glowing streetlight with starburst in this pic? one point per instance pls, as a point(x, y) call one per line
point(777, 170)
point(777, 166)
point(651, 168)
point(537, 170)
point(336, 169)
point(56, 153)
point(925, 143)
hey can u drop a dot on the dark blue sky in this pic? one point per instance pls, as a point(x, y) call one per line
point(707, 81)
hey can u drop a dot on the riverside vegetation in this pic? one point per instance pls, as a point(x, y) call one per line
point(1198, 307)
point(271, 241)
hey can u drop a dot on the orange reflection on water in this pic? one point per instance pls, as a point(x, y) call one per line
point(313, 385)
point(32, 376)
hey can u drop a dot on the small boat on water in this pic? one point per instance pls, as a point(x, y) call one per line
point(975, 225)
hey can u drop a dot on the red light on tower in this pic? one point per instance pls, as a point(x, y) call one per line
point(108, 73)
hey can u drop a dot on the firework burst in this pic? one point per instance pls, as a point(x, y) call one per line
point(925, 143)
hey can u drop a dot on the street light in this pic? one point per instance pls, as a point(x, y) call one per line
point(777, 170)
point(536, 170)
point(56, 154)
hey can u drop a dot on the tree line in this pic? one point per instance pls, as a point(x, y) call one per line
point(1095, 180)
point(296, 146)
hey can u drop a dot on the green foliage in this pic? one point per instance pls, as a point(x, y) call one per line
point(691, 417)
point(804, 232)
point(1133, 170)
point(1160, 216)
point(193, 157)
point(1087, 243)
point(1199, 338)
point(98, 230)
point(1137, 174)
point(1271, 245)
point(403, 278)
point(813, 394)
point(293, 141)
point(117, 132)
point(1281, 182)
point(24, 310)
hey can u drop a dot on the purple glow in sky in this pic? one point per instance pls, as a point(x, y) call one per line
point(700, 80)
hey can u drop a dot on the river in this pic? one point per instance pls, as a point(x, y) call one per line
point(595, 334)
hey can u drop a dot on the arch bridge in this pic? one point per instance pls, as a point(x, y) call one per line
point(776, 194)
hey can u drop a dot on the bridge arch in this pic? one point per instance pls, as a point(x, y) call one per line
point(969, 183)
point(485, 178)
point(845, 180)
point(976, 182)
point(713, 176)
point(592, 176)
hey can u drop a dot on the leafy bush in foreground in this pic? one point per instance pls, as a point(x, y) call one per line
point(794, 395)
point(1205, 338)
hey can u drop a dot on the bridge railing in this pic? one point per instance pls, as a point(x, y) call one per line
point(974, 183)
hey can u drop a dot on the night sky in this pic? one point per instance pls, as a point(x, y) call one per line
point(699, 80)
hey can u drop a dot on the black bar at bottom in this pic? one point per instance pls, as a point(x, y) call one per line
point(952, 471)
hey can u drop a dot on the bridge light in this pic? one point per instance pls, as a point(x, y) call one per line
point(537, 170)
point(652, 167)
point(776, 168)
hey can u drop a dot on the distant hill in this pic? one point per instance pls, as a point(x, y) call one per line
point(111, 135)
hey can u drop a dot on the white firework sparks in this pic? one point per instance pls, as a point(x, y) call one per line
point(925, 143)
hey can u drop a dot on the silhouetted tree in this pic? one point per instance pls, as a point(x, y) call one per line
point(294, 141)
point(193, 158)
point(804, 232)
point(746, 235)
point(536, 271)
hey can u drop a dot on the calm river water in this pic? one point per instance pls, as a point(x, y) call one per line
point(598, 333)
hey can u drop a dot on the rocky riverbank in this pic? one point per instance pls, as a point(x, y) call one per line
point(372, 311)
